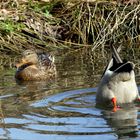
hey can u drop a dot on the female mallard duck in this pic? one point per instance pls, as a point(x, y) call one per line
point(118, 83)
point(35, 66)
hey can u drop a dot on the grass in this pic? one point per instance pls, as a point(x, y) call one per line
point(68, 24)
point(99, 23)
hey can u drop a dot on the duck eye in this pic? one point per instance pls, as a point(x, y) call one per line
point(28, 53)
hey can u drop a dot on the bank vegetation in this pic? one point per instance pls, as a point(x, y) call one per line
point(71, 24)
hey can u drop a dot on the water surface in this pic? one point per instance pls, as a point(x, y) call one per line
point(64, 108)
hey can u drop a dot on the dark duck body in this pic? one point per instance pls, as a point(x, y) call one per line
point(118, 85)
point(35, 66)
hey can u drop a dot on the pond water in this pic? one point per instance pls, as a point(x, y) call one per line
point(64, 108)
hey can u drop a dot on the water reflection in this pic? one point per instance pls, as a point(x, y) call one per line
point(123, 122)
point(63, 108)
point(70, 114)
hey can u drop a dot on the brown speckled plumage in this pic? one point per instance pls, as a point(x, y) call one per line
point(35, 66)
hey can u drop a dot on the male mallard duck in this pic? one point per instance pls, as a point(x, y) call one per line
point(35, 66)
point(118, 83)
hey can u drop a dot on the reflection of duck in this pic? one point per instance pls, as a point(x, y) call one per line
point(123, 122)
point(118, 83)
point(35, 66)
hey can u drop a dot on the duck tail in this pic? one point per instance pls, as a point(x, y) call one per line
point(115, 58)
point(115, 54)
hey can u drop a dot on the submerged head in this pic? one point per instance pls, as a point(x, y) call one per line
point(118, 81)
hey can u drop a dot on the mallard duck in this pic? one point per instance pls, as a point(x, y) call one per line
point(35, 66)
point(118, 85)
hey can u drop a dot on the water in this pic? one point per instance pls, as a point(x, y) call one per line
point(64, 108)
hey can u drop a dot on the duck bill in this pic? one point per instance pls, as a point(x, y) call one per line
point(21, 63)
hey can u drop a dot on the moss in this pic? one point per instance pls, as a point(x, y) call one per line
point(9, 26)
